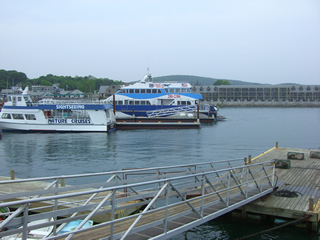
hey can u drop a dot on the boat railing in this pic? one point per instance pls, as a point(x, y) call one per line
point(171, 111)
point(82, 101)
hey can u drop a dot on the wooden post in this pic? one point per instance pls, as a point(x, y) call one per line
point(276, 144)
point(12, 177)
point(245, 161)
point(243, 214)
point(114, 104)
point(249, 158)
point(198, 118)
point(311, 204)
point(62, 182)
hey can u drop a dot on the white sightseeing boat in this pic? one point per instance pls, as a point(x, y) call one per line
point(19, 113)
point(149, 99)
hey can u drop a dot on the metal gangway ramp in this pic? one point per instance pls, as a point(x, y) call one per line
point(172, 111)
point(166, 200)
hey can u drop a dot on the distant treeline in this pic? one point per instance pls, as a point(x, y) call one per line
point(85, 84)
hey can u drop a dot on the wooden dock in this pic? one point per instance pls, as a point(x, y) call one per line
point(165, 119)
point(157, 124)
point(301, 181)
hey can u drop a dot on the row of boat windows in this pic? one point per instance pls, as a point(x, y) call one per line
point(131, 102)
point(167, 90)
point(18, 116)
point(19, 99)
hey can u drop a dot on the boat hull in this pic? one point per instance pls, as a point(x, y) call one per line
point(56, 127)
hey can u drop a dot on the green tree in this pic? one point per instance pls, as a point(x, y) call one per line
point(45, 83)
point(221, 82)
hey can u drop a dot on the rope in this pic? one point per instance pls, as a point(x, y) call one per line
point(275, 228)
point(286, 193)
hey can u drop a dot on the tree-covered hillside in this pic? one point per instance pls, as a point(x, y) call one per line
point(90, 83)
point(84, 84)
point(195, 80)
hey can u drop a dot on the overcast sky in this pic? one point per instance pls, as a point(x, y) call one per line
point(264, 41)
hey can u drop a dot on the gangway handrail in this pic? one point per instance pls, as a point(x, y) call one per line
point(171, 111)
point(125, 185)
point(176, 185)
point(115, 172)
point(204, 182)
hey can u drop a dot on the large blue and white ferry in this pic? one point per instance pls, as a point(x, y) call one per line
point(19, 113)
point(149, 99)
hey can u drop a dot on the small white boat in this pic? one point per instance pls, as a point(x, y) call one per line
point(39, 233)
point(19, 113)
point(73, 224)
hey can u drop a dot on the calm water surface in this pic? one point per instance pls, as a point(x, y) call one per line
point(247, 131)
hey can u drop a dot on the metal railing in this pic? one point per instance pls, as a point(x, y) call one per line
point(161, 194)
point(171, 111)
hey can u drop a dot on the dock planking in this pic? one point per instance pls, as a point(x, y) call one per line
point(302, 178)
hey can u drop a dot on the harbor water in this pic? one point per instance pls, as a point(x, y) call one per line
point(247, 131)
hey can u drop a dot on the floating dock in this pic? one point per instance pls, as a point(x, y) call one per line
point(157, 124)
point(297, 191)
point(164, 119)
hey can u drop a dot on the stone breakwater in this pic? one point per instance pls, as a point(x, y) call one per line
point(265, 104)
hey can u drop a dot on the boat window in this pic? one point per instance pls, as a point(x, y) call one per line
point(188, 90)
point(6, 116)
point(159, 90)
point(125, 102)
point(183, 90)
point(166, 89)
point(188, 103)
point(136, 102)
point(136, 91)
point(122, 91)
point(119, 102)
point(154, 90)
point(9, 98)
point(148, 90)
point(17, 116)
point(183, 103)
point(148, 103)
point(30, 116)
point(177, 90)
point(143, 102)
point(143, 91)
point(171, 90)
point(131, 102)
point(19, 99)
point(130, 90)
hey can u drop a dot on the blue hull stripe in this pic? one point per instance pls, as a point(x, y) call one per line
point(64, 107)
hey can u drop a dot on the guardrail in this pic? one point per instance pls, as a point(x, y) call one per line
point(171, 111)
point(155, 190)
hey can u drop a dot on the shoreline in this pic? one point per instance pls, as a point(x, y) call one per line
point(266, 104)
